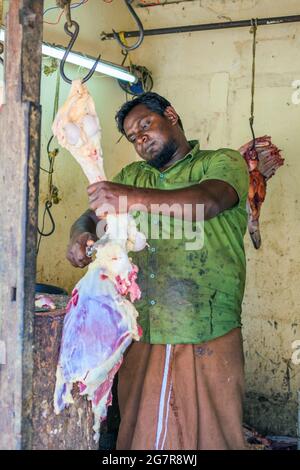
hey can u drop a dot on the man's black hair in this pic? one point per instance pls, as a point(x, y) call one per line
point(152, 101)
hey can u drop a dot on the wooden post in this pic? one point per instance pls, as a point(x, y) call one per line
point(20, 154)
point(72, 428)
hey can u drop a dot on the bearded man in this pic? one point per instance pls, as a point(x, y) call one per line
point(181, 387)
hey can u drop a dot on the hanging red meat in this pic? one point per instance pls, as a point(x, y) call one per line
point(263, 160)
point(101, 322)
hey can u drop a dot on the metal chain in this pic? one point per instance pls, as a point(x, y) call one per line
point(251, 119)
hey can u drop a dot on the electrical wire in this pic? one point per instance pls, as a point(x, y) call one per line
point(251, 119)
point(1, 12)
point(57, 21)
point(75, 5)
point(52, 195)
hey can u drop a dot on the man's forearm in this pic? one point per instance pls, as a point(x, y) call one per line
point(85, 223)
point(215, 198)
point(176, 202)
point(215, 195)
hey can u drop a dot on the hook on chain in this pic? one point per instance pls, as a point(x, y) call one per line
point(1, 52)
point(74, 36)
point(139, 25)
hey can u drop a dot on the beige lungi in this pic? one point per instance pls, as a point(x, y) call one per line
point(183, 396)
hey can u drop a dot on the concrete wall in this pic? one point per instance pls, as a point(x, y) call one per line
point(206, 75)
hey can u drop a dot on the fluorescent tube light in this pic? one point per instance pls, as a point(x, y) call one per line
point(104, 67)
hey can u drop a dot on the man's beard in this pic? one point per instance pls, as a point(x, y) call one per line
point(164, 156)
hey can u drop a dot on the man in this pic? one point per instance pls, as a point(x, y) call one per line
point(181, 386)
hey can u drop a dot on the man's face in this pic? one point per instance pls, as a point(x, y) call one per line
point(151, 134)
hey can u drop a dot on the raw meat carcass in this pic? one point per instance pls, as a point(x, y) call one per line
point(263, 160)
point(100, 322)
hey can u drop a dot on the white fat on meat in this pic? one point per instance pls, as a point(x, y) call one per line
point(77, 129)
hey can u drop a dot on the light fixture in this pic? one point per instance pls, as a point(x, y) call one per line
point(104, 67)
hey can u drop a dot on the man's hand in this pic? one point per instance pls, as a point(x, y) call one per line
point(76, 252)
point(105, 195)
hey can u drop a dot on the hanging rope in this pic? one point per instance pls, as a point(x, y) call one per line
point(52, 196)
point(253, 30)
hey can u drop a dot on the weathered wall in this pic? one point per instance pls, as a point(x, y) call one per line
point(206, 75)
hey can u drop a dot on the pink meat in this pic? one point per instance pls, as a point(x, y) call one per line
point(100, 322)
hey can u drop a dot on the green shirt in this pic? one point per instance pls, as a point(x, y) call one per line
point(192, 296)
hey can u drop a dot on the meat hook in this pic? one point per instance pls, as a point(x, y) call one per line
point(73, 36)
point(140, 27)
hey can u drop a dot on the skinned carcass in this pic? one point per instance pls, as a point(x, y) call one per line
point(100, 322)
point(263, 160)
